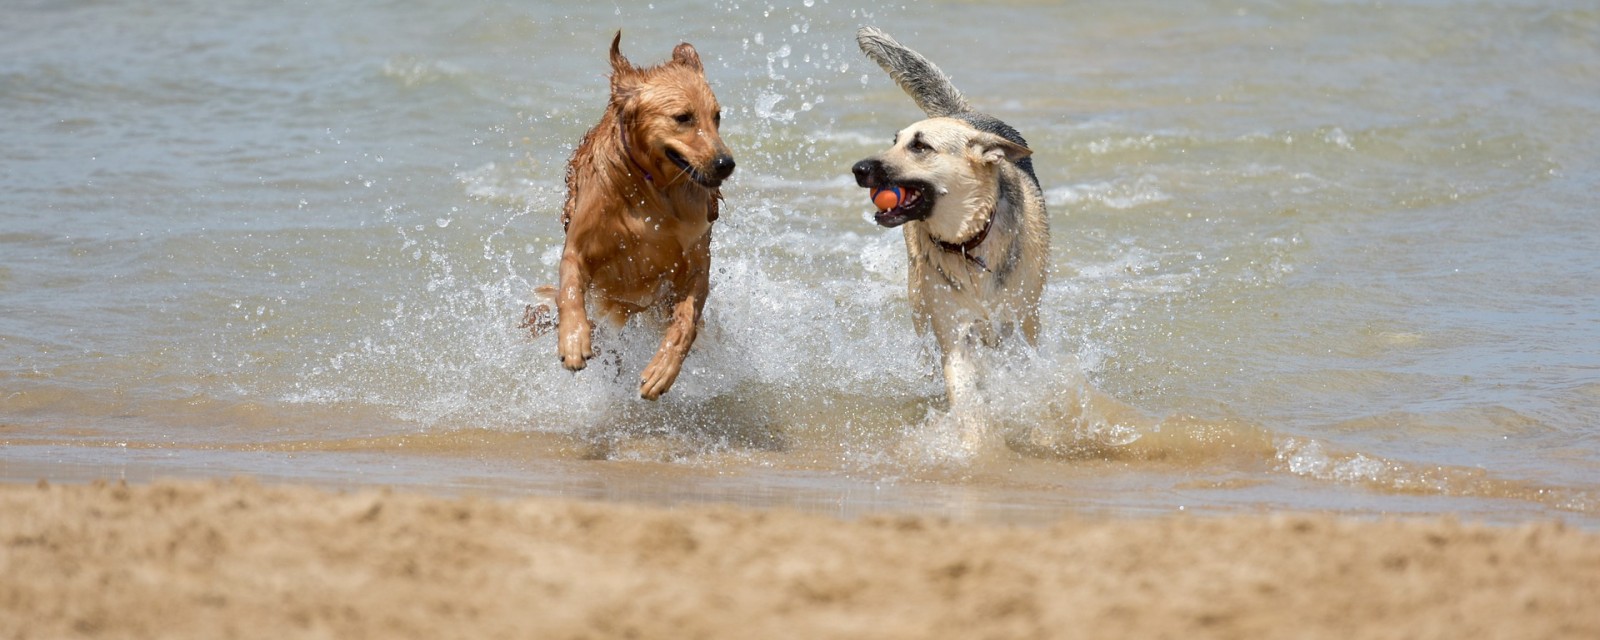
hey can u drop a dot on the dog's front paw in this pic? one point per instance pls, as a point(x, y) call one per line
point(660, 374)
point(574, 347)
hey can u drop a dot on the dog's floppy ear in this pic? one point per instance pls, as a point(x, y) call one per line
point(685, 54)
point(992, 148)
point(623, 72)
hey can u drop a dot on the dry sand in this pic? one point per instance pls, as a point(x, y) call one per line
point(241, 560)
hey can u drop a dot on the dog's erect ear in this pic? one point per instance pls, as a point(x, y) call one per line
point(992, 148)
point(622, 71)
point(685, 54)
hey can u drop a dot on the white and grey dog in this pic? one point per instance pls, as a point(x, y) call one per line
point(977, 234)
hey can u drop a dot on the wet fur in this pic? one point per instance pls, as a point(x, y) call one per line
point(643, 189)
point(976, 182)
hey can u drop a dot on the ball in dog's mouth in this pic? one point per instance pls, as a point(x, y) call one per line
point(895, 204)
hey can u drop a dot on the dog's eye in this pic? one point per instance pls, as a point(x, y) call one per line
point(684, 118)
point(716, 118)
point(918, 146)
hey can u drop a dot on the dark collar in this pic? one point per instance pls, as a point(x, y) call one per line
point(965, 249)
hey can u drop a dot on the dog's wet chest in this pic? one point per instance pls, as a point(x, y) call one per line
point(668, 229)
point(653, 252)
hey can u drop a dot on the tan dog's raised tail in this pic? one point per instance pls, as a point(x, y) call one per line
point(643, 189)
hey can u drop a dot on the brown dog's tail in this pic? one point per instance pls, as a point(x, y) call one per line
point(540, 317)
point(924, 82)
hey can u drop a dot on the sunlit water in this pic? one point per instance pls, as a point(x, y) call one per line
point(1318, 255)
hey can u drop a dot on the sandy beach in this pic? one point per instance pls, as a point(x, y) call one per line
point(239, 559)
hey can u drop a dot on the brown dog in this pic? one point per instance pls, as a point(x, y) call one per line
point(642, 194)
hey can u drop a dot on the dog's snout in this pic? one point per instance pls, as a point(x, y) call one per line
point(868, 172)
point(722, 166)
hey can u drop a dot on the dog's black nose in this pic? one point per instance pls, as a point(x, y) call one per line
point(722, 166)
point(866, 171)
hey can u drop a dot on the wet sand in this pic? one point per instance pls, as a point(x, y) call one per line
point(237, 559)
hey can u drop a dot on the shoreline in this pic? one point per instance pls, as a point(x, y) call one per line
point(236, 558)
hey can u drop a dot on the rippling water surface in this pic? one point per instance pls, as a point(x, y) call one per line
point(1309, 255)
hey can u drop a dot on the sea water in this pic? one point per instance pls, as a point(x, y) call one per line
point(1317, 255)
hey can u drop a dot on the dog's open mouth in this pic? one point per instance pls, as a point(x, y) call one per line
point(694, 174)
point(899, 204)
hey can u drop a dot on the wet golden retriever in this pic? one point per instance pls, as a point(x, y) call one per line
point(643, 189)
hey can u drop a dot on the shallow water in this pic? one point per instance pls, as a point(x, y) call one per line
point(1322, 255)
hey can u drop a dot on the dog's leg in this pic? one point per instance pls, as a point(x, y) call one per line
point(965, 376)
point(668, 361)
point(573, 329)
point(963, 382)
point(963, 386)
point(682, 328)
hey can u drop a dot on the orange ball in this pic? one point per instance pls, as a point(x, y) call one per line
point(886, 198)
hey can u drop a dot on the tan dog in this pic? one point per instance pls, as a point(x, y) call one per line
point(976, 230)
point(642, 194)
